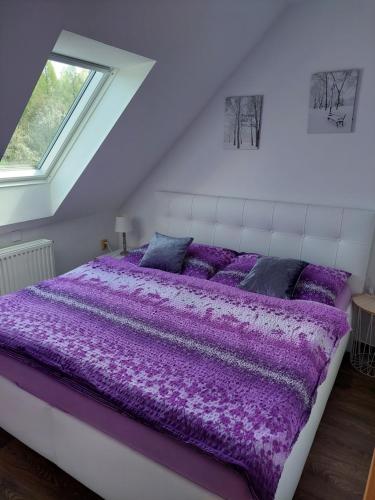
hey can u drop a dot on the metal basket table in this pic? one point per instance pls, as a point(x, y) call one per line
point(362, 355)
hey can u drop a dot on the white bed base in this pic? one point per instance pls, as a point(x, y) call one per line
point(115, 471)
point(333, 236)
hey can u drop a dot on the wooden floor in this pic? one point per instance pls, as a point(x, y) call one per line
point(340, 457)
point(336, 469)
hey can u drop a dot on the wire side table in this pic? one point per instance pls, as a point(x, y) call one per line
point(362, 355)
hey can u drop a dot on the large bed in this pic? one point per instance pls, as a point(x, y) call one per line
point(117, 439)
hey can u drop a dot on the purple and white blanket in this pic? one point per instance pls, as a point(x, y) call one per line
point(231, 372)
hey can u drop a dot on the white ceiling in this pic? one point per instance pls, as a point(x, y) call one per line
point(197, 44)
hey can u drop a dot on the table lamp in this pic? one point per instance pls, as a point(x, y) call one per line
point(122, 226)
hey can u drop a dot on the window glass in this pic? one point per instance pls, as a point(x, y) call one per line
point(54, 97)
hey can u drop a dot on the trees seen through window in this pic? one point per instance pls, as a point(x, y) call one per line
point(55, 95)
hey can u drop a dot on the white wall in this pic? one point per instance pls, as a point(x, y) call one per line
point(76, 240)
point(291, 165)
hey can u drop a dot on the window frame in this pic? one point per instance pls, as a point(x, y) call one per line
point(81, 108)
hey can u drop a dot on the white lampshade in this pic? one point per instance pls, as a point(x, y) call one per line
point(122, 225)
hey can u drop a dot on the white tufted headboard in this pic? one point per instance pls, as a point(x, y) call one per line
point(336, 237)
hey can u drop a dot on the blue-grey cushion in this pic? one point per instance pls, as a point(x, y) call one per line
point(166, 253)
point(274, 277)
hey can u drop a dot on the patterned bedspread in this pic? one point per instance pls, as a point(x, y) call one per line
point(228, 371)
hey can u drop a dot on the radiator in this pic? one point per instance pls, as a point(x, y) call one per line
point(25, 264)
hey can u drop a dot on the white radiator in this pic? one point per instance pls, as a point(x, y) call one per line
point(26, 263)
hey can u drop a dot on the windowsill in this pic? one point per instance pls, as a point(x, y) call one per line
point(21, 177)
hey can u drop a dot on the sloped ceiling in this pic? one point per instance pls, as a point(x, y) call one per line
point(197, 44)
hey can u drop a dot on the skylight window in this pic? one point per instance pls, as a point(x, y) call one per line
point(61, 98)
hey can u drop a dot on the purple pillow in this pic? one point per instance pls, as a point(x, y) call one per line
point(236, 271)
point(320, 284)
point(136, 254)
point(203, 261)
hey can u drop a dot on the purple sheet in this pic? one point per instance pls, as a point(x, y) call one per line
point(344, 298)
point(233, 373)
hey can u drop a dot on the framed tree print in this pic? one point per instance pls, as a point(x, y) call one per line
point(332, 103)
point(243, 120)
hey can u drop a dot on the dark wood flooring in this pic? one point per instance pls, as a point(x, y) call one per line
point(336, 469)
point(25, 475)
point(339, 461)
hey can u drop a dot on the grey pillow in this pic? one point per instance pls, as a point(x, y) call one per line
point(274, 277)
point(166, 253)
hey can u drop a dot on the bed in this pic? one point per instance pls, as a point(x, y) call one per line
point(120, 457)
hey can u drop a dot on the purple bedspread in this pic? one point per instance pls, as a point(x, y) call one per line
point(231, 372)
